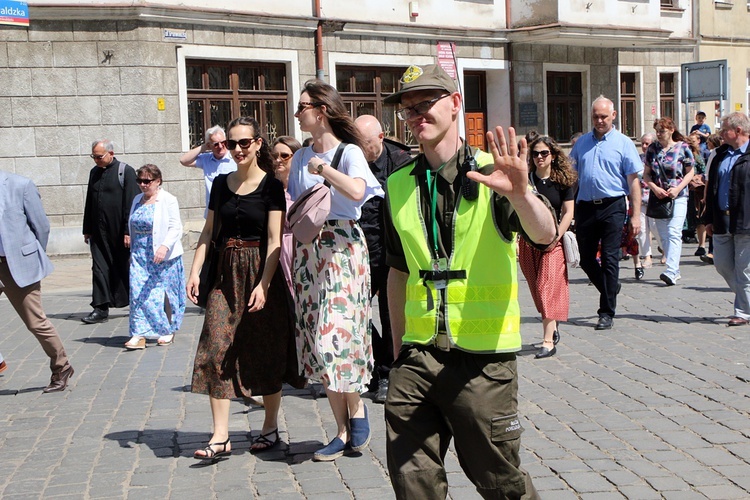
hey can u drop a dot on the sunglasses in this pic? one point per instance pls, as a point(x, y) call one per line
point(243, 143)
point(144, 181)
point(98, 157)
point(283, 156)
point(219, 144)
point(543, 154)
point(304, 105)
point(418, 109)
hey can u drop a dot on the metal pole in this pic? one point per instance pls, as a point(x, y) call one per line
point(721, 90)
point(687, 100)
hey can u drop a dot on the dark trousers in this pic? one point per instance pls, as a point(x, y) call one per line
point(436, 395)
point(110, 273)
point(595, 223)
point(382, 343)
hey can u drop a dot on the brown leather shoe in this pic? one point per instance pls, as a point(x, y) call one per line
point(3, 366)
point(737, 322)
point(59, 381)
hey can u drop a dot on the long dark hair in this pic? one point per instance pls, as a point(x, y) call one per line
point(265, 160)
point(335, 111)
point(561, 171)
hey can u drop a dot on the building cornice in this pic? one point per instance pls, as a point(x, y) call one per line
point(598, 36)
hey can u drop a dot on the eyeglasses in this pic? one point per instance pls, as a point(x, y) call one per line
point(304, 105)
point(543, 154)
point(243, 143)
point(418, 109)
point(283, 156)
point(144, 181)
point(98, 157)
point(219, 144)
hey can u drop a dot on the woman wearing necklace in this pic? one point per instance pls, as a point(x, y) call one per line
point(246, 347)
point(156, 269)
point(553, 177)
point(668, 170)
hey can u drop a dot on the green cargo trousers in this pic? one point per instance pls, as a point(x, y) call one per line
point(437, 395)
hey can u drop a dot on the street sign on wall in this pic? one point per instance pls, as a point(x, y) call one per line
point(704, 81)
point(446, 57)
point(14, 13)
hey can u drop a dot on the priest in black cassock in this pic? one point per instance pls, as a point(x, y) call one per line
point(112, 187)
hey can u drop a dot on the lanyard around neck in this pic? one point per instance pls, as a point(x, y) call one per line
point(432, 188)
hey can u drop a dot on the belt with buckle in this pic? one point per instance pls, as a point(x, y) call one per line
point(725, 212)
point(601, 201)
point(237, 243)
point(442, 342)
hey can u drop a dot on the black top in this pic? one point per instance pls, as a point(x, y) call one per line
point(555, 193)
point(107, 209)
point(393, 156)
point(246, 216)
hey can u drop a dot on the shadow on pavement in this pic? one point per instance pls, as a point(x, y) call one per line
point(118, 341)
point(168, 443)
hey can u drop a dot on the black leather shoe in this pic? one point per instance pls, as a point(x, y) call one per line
point(555, 337)
point(639, 272)
point(545, 353)
point(96, 316)
point(59, 381)
point(605, 322)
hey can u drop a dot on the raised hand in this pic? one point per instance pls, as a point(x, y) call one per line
point(510, 177)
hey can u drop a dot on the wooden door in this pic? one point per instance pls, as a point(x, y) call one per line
point(475, 130)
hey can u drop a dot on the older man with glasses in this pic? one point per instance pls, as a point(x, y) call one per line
point(212, 157)
point(110, 194)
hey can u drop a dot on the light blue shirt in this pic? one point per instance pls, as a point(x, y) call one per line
point(352, 163)
point(724, 175)
point(604, 164)
point(212, 168)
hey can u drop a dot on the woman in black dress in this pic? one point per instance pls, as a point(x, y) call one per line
point(247, 344)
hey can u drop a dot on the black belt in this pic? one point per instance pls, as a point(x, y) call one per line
point(446, 275)
point(602, 201)
point(432, 275)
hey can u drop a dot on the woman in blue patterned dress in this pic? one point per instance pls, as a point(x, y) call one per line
point(157, 275)
point(667, 171)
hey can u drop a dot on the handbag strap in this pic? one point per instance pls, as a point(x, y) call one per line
point(336, 159)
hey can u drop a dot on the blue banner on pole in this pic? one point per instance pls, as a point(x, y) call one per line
point(14, 13)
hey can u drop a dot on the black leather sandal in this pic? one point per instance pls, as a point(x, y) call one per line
point(211, 454)
point(263, 440)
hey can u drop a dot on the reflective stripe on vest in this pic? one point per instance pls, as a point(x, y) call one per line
point(481, 311)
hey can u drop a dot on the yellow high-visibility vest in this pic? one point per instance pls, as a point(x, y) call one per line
point(481, 298)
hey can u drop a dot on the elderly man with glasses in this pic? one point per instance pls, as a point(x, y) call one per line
point(212, 157)
point(110, 194)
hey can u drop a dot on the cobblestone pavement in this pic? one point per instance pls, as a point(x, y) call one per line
point(656, 408)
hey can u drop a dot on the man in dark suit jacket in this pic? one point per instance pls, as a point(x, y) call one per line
point(384, 156)
point(24, 230)
point(727, 215)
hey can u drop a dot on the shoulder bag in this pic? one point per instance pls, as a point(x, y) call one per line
point(310, 211)
point(570, 248)
point(659, 208)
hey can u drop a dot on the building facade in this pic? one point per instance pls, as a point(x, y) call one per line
point(153, 76)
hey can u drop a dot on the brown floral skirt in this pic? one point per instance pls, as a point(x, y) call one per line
point(241, 354)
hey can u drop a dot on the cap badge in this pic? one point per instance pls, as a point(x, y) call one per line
point(411, 74)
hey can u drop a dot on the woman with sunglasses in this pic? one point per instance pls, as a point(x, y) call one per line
point(550, 172)
point(331, 274)
point(283, 148)
point(246, 347)
point(157, 275)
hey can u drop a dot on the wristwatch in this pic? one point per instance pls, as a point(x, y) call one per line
point(320, 168)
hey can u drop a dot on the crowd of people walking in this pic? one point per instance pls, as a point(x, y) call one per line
point(435, 236)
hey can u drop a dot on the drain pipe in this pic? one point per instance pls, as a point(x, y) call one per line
point(319, 73)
